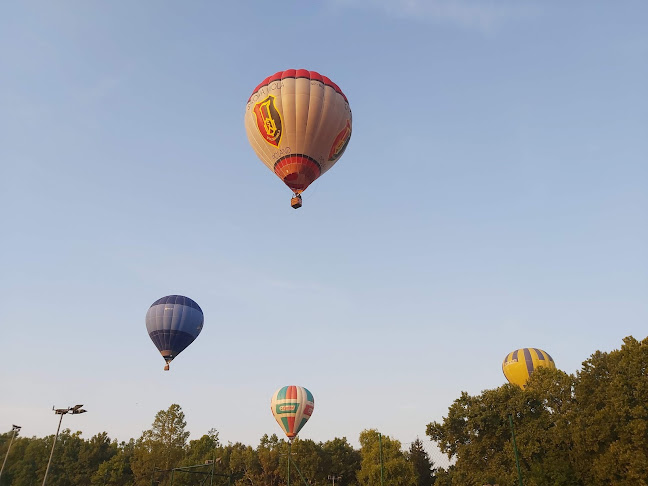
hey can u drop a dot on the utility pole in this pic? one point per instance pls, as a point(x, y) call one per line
point(382, 472)
point(14, 429)
point(61, 411)
point(517, 460)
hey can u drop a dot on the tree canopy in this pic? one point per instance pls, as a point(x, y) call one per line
point(585, 429)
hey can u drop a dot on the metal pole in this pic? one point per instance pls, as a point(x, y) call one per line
point(301, 475)
point(382, 472)
point(289, 453)
point(517, 460)
point(14, 430)
point(52, 453)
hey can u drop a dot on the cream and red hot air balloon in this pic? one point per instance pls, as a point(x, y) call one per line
point(292, 406)
point(521, 363)
point(299, 124)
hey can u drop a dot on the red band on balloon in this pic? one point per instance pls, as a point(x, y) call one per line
point(297, 171)
point(299, 73)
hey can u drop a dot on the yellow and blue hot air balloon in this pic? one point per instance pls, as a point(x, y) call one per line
point(299, 124)
point(520, 364)
point(173, 322)
point(292, 406)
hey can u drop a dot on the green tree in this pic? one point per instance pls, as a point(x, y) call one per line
point(477, 434)
point(91, 454)
point(309, 458)
point(398, 471)
point(269, 454)
point(423, 466)
point(24, 461)
point(341, 460)
point(204, 449)
point(117, 470)
point(610, 427)
point(243, 463)
point(161, 447)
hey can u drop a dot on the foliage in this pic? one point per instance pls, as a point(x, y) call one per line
point(421, 463)
point(161, 447)
point(396, 469)
point(341, 460)
point(587, 429)
point(590, 429)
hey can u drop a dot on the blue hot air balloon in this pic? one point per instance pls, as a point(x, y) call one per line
point(173, 322)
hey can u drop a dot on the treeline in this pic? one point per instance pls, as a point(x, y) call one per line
point(586, 429)
point(147, 460)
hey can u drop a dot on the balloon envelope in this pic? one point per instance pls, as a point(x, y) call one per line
point(292, 406)
point(521, 363)
point(299, 124)
point(173, 322)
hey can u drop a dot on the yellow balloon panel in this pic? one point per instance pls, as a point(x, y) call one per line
point(521, 363)
point(299, 123)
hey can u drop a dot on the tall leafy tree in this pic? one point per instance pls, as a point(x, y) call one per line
point(26, 464)
point(610, 427)
point(341, 460)
point(206, 448)
point(590, 429)
point(162, 446)
point(397, 470)
point(309, 458)
point(269, 454)
point(117, 470)
point(476, 432)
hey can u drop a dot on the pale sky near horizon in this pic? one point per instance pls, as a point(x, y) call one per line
point(492, 197)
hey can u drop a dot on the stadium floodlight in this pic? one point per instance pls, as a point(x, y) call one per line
point(334, 478)
point(14, 429)
point(61, 411)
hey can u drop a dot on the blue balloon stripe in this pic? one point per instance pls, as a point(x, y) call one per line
point(529, 360)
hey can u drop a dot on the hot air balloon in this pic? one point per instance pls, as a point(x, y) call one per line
point(173, 322)
point(292, 406)
point(521, 363)
point(299, 124)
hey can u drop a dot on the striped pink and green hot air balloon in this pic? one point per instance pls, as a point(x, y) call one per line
point(292, 406)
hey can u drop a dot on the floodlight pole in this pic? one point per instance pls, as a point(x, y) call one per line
point(517, 460)
point(289, 454)
point(52, 452)
point(61, 411)
point(382, 472)
point(14, 430)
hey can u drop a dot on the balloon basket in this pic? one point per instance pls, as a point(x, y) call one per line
point(166, 367)
point(296, 202)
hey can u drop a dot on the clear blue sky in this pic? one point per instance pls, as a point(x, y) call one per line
point(493, 196)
